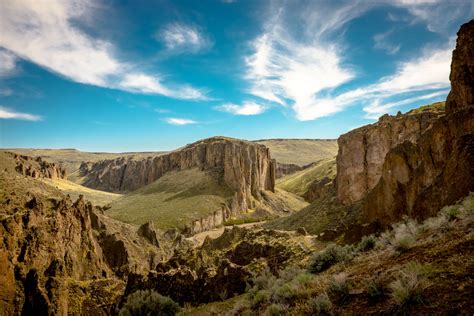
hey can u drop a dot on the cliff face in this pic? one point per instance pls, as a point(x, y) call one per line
point(36, 167)
point(246, 167)
point(362, 151)
point(420, 179)
point(283, 169)
point(416, 163)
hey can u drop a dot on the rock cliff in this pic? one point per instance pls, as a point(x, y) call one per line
point(36, 167)
point(362, 151)
point(416, 163)
point(418, 179)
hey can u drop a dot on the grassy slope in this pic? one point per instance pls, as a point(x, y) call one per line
point(96, 197)
point(324, 213)
point(299, 182)
point(300, 151)
point(71, 159)
point(173, 200)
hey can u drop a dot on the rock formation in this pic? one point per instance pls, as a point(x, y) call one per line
point(416, 163)
point(418, 180)
point(362, 151)
point(37, 168)
point(283, 169)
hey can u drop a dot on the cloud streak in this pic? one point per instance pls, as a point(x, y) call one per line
point(183, 38)
point(9, 114)
point(48, 36)
point(179, 121)
point(247, 108)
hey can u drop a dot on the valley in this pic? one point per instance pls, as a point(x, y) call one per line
point(379, 221)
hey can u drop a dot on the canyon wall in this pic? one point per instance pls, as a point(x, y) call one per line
point(419, 179)
point(414, 164)
point(362, 151)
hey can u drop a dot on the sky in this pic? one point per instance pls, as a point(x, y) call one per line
point(115, 76)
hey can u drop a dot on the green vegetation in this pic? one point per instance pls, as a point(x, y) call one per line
point(322, 214)
point(437, 106)
point(147, 302)
point(300, 151)
point(331, 255)
point(173, 200)
point(408, 288)
point(437, 266)
point(299, 182)
point(96, 197)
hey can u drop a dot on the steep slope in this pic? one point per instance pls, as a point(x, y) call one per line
point(64, 257)
point(304, 182)
point(417, 180)
point(362, 151)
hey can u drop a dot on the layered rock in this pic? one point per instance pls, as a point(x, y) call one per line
point(420, 179)
point(362, 151)
point(37, 168)
point(283, 169)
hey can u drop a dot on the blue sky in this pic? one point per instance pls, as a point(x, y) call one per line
point(155, 75)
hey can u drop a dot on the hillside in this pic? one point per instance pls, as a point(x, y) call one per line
point(300, 152)
point(300, 182)
point(71, 159)
point(174, 200)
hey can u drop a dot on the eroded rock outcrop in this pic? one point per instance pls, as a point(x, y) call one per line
point(418, 180)
point(283, 169)
point(362, 151)
point(221, 268)
point(36, 167)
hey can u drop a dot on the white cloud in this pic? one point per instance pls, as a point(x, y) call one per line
point(381, 42)
point(7, 63)
point(6, 113)
point(179, 121)
point(290, 69)
point(305, 71)
point(375, 109)
point(182, 37)
point(247, 108)
point(46, 33)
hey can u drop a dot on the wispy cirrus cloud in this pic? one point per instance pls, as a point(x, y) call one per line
point(381, 42)
point(7, 63)
point(47, 35)
point(246, 108)
point(183, 38)
point(179, 121)
point(7, 113)
point(308, 72)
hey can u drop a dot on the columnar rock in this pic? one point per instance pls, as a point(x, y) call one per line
point(418, 180)
point(362, 151)
point(36, 167)
point(245, 167)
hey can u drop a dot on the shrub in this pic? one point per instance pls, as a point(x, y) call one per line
point(367, 243)
point(339, 287)
point(260, 298)
point(149, 302)
point(451, 212)
point(276, 310)
point(333, 254)
point(408, 288)
point(375, 289)
point(404, 236)
point(321, 305)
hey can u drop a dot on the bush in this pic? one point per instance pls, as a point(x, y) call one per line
point(404, 236)
point(276, 310)
point(321, 305)
point(408, 288)
point(149, 302)
point(451, 212)
point(375, 289)
point(367, 243)
point(333, 254)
